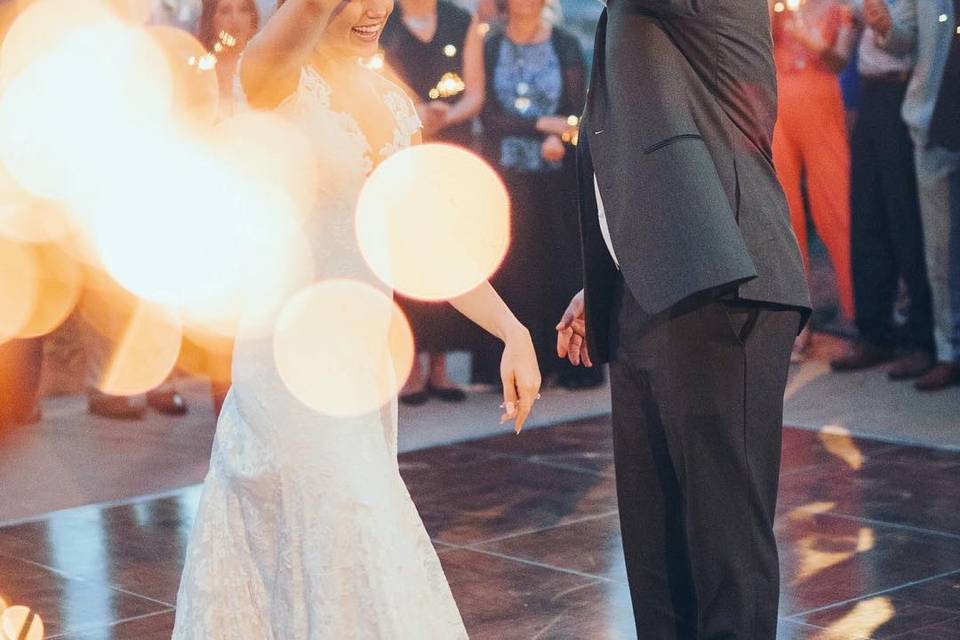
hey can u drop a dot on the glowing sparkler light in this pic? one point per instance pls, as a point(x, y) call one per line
point(21, 623)
point(449, 85)
point(18, 282)
point(483, 29)
point(343, 348)
point(793, 5)
point(779, 7)
point(449, 50)
point(433, 221)
point(943, 17)
point(195, 87)
point(226, 39)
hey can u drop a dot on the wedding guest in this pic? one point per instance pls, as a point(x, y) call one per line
point(812, 44)
point(436, 49)
point(887, 236)
point(225, 28)
point(928, 30)
point(535, 77)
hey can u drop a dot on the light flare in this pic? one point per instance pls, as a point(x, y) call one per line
point(343, 348)
point(119, 90)
point(58, 284)
point(21, 623)
point(19, 275)
point(433, 221)
point(144, 351)
point(862, 621)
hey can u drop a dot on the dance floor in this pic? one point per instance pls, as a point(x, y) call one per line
point(527, 531)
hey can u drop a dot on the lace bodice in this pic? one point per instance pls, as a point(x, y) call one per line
point(344, 159)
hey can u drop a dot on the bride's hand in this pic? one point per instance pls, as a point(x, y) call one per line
point(520, 374)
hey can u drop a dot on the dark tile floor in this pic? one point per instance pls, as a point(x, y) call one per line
point(527, 531)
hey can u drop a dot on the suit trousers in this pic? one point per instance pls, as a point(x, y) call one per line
point(697, 420)
point(938, 181)
point(887, 236)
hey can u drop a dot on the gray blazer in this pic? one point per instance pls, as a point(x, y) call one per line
point(678, 128)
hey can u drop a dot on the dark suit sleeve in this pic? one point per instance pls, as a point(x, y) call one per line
point(667, 9)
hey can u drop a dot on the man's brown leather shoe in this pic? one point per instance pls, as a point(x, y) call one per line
point(911, 365)
point(862, 355)
point(941, 376)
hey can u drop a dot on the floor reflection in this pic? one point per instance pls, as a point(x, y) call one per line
point(528, 534)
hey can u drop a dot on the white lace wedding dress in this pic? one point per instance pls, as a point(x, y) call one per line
point(305, 529)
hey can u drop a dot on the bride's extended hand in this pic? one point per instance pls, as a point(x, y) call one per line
point(520, 374)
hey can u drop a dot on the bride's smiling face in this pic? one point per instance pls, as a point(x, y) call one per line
point(355, 27)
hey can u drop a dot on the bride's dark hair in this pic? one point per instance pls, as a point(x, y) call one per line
point(205, 33)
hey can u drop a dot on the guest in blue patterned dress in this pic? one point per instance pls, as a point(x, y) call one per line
point(535, 76)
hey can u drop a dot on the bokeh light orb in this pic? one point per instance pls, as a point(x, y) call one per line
point(71, 122)
point(143, 352)
point(41, 26)
point(18, 287)
point(217, 245)
point(271, 151)
point(59, 280)
point(433, 221)
point(21, 623)
point(27, 218)
point(343, 348)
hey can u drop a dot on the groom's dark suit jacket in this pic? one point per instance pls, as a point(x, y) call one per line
point(678, 128)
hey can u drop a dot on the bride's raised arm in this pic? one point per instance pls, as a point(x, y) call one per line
point(272, 61)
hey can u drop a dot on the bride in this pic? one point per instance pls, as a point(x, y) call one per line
point(305, 529)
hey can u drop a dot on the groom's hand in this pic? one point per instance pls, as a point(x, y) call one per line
point(572, 333)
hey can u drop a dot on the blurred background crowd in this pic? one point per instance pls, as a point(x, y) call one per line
point(867, 147)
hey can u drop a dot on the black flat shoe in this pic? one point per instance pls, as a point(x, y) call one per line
point(113, 407)
point(169, 403)
point(414, 399)
point(447, 394)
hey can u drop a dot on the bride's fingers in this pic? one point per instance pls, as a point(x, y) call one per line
point(509, 397)
point(528, 395)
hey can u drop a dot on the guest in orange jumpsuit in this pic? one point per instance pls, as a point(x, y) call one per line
point(813, 40)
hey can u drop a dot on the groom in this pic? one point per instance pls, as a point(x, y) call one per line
point(694, 291)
